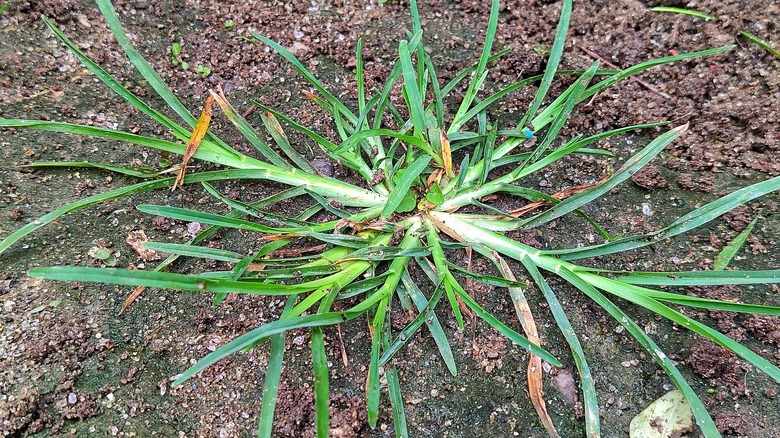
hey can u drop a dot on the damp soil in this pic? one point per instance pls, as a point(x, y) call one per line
point(70, 365)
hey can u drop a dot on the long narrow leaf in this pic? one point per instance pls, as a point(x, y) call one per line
point(404, 184)
point(273, 374)
point(628, 168)
point(729, 251)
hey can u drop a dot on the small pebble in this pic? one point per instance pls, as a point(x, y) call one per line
point(193, 228)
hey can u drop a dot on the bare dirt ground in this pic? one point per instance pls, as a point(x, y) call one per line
point(75, 367)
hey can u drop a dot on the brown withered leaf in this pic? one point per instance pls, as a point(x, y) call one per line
point(136, 240)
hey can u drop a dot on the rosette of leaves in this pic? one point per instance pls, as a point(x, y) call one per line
point(417, 205)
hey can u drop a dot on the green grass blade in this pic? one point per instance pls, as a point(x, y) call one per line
point(273, 375)
point(384, 253)
point(692, 301)
point(510, 334)
point(250, 209)
point(321, 386)
point(205, 152)
point(404, 184)
point(81, 204)
point(117, 87)
point(143, 67)
point(277, 133)
point(703, 419)
point(546, 117)
point(487, 155)
point(488, 101)
point(373, 367)
point(137, 172)
point(628, 168)
point(587, 382)
point(394, 386)
point(384, 96)
point(466, 72)
point(725, 256)
point(692, 220)
point(345, 193)
point(574, 93)
point(164, 280)
point(202, 252)
point(362, 286)
point(556, 52)
point(683, 11)
point(396, 268)
point(368, 133)
point(437, 332)
point(486, 279)
point(416, 108)
point(327, 205)
point(360, 79)
point(249, 133)
point(480, 73)
point(396, 401)
point(520, 252)
point(351, 160)
point(654, 306)
point(210, 230)
point(438, 96)
point(763, 44)
point(259, 334)
point(320, 140)
point(185, 214)
point(408, 332)
point(330, 98)
point(700, 278)
point(442, 277)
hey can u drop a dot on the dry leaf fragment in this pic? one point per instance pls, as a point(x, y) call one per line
point(197, 136)
point(446, 154)
point(136, 240)
point(666, 417)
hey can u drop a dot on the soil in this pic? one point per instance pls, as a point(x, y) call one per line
point(70, 365)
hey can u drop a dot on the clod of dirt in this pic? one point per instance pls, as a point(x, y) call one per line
point(722, 366)
point(294, 412)
point(136, 239)
point(79, 406)
point(730, 423)
point(323, 166)
point(17, 411)
point(649, 178)
point(698, 183)
point(564, 382)
point(764, 327)
point(738, 218)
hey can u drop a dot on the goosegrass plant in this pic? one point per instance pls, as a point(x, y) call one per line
point(416, 206)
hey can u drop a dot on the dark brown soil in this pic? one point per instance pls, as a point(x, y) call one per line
point(650, 178)
point(62, 365)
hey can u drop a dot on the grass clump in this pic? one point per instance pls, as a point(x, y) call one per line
point(425, 182)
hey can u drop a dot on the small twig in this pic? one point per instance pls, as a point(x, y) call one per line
point(637, 80)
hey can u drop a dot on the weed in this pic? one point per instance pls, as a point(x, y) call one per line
point(410, 209)
point(763, 44)
point(683, 11)
point(203, 70)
